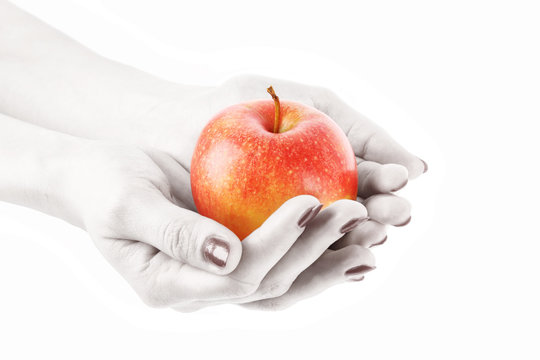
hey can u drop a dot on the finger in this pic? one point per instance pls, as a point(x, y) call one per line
point(192, 289)
point(334, 267)
point(162, 281)
point(180, 233)
point(328, 226)
point(314, 242)
point(369, 141)
point(388, 209)
point(368, 235)
point(374, 178)
point(264, 247)
point(375, 144)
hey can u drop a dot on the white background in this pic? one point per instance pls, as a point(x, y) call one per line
point(457, 82)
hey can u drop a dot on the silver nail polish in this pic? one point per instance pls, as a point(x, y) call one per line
point(216, 251)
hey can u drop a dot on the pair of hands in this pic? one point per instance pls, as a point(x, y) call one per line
point(136, 203)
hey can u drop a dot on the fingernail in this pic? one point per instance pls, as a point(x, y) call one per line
point(401, 186)
point(356, 271)
point(351, 224)
point(425, 165)
point(356, 279)
point(308, 215)
point(216, 251)
point(405, 223)
point(380, 242)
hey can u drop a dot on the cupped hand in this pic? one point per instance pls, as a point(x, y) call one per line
point(137, 206)
point(384, 166)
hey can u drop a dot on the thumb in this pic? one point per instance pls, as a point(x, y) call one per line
point(185, 235)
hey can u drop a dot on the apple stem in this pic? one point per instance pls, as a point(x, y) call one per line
point(276, 103)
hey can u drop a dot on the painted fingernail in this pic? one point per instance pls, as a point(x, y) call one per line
point(351, 224)
point(217, 251)
point(405, 223)
point(425, 165)
point(401, 186)
point(380, 242)
point(308, 215)
point(355, 272)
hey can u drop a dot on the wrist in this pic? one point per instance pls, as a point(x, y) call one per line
point(35, 168)
point(58, 195)
point(79, 92)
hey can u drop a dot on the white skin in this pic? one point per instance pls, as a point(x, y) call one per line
point(135, 200)
point(123, 197)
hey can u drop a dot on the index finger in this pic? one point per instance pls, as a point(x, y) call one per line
point(263, 248)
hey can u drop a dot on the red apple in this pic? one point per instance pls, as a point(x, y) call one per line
point(252, 157)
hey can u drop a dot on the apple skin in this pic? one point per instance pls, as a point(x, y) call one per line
point(241, 171)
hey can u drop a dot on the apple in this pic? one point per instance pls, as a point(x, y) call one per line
point(252, 157)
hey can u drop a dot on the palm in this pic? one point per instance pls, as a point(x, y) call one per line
point(137, 196)
point(180, 126)
point(383, 165)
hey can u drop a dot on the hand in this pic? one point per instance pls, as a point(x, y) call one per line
point(168, 117)
point(137, 207)
point(383, 165)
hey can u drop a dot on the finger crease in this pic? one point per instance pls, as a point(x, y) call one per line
point(365, 148)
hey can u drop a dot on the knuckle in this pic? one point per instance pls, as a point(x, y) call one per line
point(178, 237)
point(368, 140)
point(275, 290)
point(356, 251)
point(243, 289)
